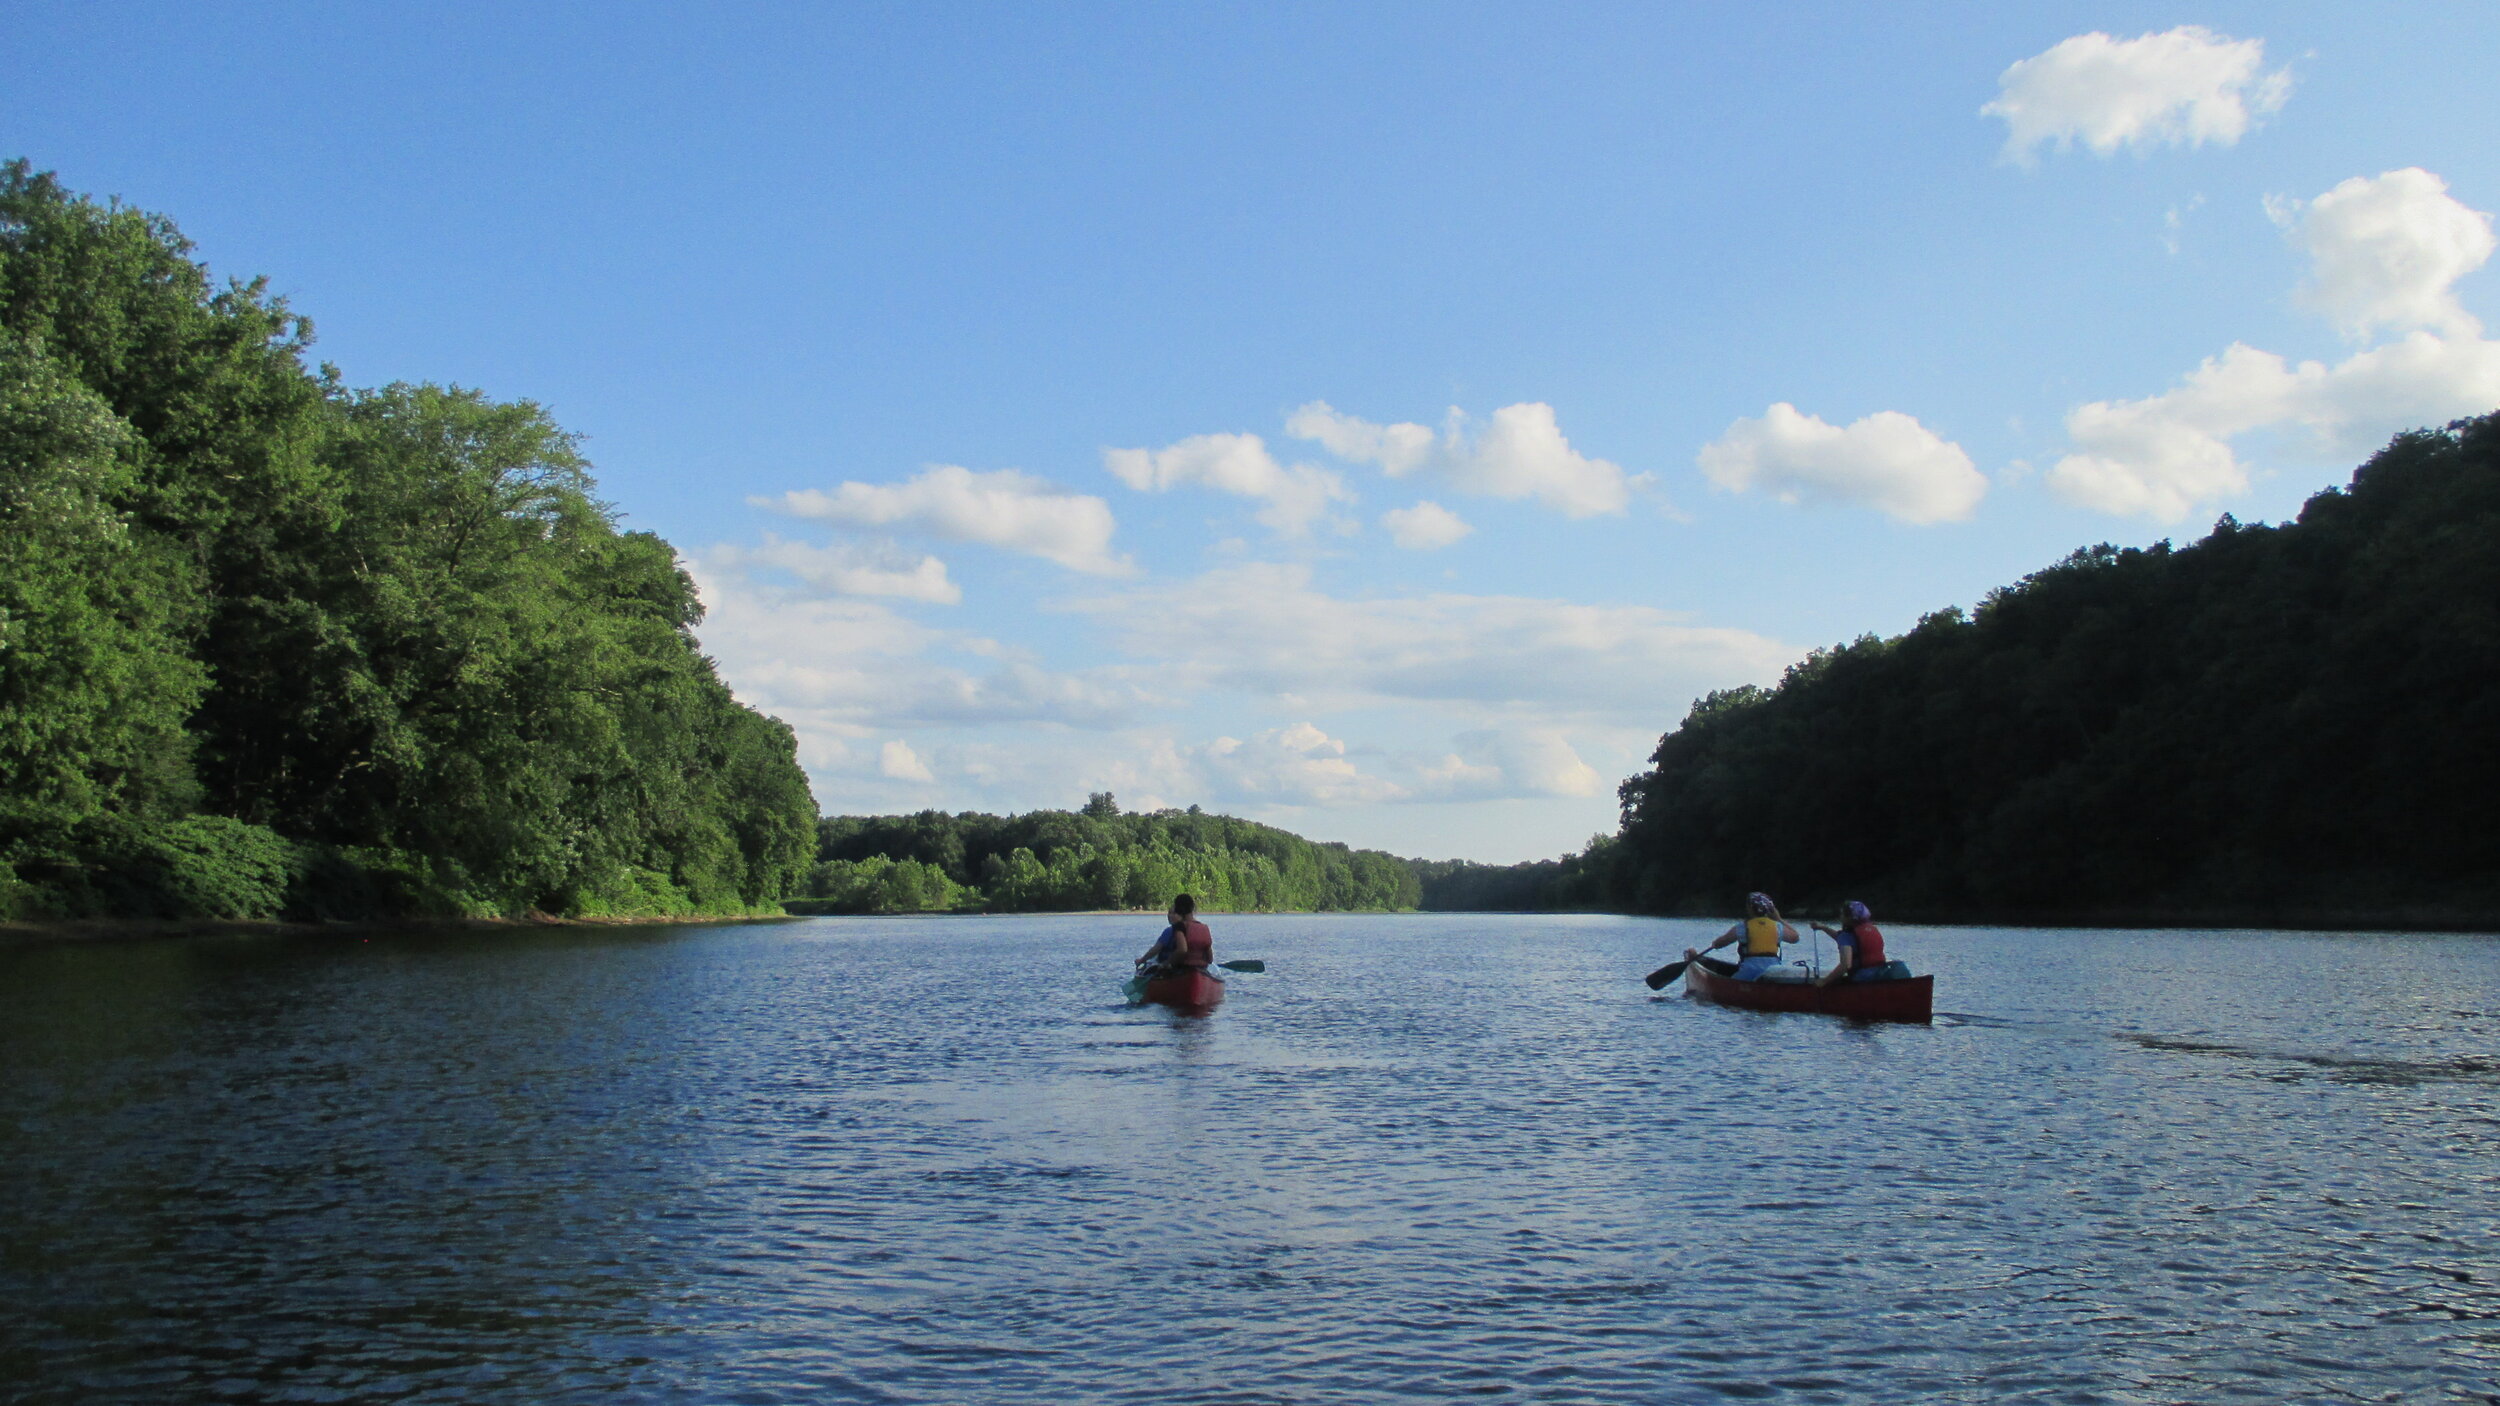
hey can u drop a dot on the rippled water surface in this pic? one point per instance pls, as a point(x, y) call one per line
point(1424, 1158)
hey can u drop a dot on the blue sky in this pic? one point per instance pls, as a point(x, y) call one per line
point(1596, 355)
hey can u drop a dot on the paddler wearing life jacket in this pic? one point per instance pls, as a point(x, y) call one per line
point(1861, 945)
point(1758, 938)
point(1185, 941)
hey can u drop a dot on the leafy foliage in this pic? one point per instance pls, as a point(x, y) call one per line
point(392, 632)
point(2288, 720)
point(1574, 882)
point(95, 678)
point(1098, 858)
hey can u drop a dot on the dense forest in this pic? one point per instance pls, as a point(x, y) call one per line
point(271, 645)
point(2297, 723)
point(1098, 857)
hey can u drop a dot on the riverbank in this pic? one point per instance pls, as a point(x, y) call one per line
point(833, 908)
point(134, 929)
point(2369, 919)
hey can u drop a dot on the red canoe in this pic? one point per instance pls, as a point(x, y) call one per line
point(1192, 990)
point(1911, 999)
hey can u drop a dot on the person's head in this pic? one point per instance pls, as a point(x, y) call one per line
point(1759, 905)
point(1184, 906)
point(1857, 913)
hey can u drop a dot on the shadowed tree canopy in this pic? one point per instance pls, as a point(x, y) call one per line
point(2292, 721)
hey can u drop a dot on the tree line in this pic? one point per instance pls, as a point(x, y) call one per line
point(271, 644)
point(1094, 858)
point(2291, 723)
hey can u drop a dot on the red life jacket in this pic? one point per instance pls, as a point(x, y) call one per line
point(1196, 947)
point(1870, 945)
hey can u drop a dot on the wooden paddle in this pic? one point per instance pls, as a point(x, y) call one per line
point(1658, 979)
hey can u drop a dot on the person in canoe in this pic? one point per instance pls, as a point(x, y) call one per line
point(1761, 933)
point(1861, 945)
point(1184, 943)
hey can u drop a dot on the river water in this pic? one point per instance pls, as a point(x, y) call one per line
point(1426, 1157)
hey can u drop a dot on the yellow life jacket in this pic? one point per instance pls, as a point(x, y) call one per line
point(1762, 937)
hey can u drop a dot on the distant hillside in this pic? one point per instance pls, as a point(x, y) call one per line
point(1072, 861)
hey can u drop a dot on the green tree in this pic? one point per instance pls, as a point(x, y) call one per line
point(96, 680)
point(396, 625)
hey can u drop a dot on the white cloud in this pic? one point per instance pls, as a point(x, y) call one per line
point(845, 667)
point(1526, 686)
point(1297, 765)
point(848, 568)
point(1521, 453)
point(2386, 250)
point(1003, 509)
point(2168, 455)
point(1887, 460)
point(1425, 526)
point(1503, 762)
point(1301, 765)
point(1398, 449)
point(1271, 770)
point(2183, 87)
point(1239, 464)
point(897, 761)
point(1263, 629)
point(2163, 456)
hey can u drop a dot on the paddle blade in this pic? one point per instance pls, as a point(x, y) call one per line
point(1134, 988)
point(1244, 966)
point(1658, 979)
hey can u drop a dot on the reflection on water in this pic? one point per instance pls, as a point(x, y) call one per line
point(1424, 1157)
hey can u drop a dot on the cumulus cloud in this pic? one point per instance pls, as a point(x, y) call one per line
point(1503, 762)
point(2183, 87)
point(1295, 495)
point(1887, 460)
point(897, 761)
point(2386, 252)
point(1297, 765)
point(1398, 449)
point(888, 707)
point(1520, 453)
point(843, 667)
point(2168, 455)
point(1264, 629)
point(1301, 765)
point(1006, 509)
point(848, 568)
point(1425, 526)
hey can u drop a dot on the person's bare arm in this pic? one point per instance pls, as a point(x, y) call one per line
point(1840, 969)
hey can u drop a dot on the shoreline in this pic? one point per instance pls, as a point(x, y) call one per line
point(25, 931)
point(2365, 920)
point(19, 931)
